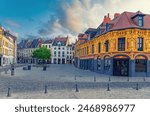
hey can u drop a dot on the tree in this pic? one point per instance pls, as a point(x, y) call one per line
point(42, 53)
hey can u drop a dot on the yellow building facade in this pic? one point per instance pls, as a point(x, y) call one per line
point(122, 50)
point(7, 47)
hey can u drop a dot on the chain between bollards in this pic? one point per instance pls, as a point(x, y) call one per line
point(45, 89)
point(8, 92)
point(76, 86)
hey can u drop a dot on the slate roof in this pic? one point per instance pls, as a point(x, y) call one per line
point(48, 41)
point(30, 43)
point(62, 40)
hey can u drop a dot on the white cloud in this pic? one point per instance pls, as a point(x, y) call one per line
point(13, 23)
point(82, 14)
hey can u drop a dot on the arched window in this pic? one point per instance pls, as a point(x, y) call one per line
point(98, 63)
point(140, 64)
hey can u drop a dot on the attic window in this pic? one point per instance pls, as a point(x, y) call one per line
point(59, 44)
point(107, 27)
point(99, 31)
point(140, 21)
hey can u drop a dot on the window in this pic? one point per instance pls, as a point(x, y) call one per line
point(49, 46)
point(87, 50)
point(141, 64)
point(63, 54)
point(99, 47)
point(121, 44)
point(107, 45)
point(58, 53)
point(140, 44)
point(99, 31)
point(107, 27)
point(140, 22)
point(107, 64)
point(55, 60)
point(92, 49)
point(55, 48)
point(54, 53)
point(98, 63)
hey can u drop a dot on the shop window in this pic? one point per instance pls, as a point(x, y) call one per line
point(140, 64)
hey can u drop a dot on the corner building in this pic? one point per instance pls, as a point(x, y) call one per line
point(117, 47)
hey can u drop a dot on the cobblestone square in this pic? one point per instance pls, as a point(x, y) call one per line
point(61, 82)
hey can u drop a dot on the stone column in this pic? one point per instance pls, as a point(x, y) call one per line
point(131, 68)
point(148, 68)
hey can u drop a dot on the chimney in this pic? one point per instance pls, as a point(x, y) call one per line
point(107, 19)
point(116, 15)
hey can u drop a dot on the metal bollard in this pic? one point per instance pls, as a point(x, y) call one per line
point(94, 79)
point(5, 71)
point(144, 79)
point(75, 78)
point(109, 79)
point(77, 90)
point(137, 86)
point(45, 89)
point(8, 92)
point(128, 79)
point(108, 87)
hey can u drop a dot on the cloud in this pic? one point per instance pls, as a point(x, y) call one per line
point(13, 23)
point(77, 16)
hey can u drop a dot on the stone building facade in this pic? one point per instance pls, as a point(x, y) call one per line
point(117, 47)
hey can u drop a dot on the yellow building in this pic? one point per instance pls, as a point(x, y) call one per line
point(119, 47)
point(7, 47)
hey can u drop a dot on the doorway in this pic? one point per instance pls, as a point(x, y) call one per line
point(121, 67)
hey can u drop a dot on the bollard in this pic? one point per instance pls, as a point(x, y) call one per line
point(94, 79)
point(109, 79)
point(128, 79)
point(12, 70)
point(75, 78)
point(8, 92)
point(108, 87)
point(77, 90)
point(5, 71)
point(144, 79)
point(45, 89)
point(137, 86)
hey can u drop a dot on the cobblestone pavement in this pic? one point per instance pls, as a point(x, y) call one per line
point(61, 80)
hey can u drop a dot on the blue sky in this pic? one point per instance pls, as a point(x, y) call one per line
point(51, 18)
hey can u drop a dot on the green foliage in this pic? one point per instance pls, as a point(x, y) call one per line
point(42, 53)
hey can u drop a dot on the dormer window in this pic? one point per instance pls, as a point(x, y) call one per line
point(89, 36)
point(98, 31)
point(107, 27)
point(140, 21)
point(59, 43)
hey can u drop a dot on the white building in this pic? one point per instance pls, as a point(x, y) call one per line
point(48, 44)
point(61, 51)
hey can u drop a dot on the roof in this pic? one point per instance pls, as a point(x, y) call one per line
point(48, 41)
point(61, 40)
point(125, 20)
point(30, 43)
